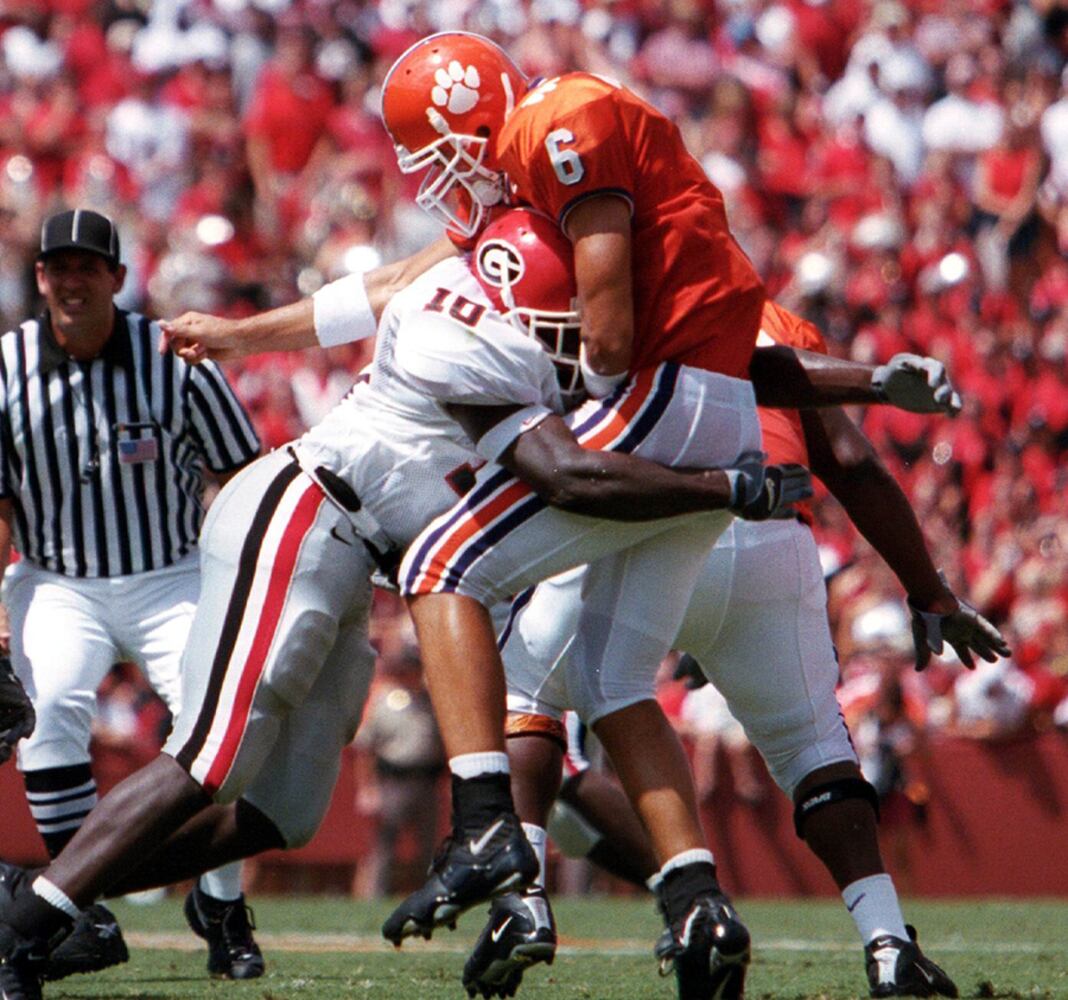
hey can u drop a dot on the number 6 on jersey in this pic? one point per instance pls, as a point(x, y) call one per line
point(566, 162)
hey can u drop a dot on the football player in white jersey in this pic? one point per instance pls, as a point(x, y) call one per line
point(278, 661)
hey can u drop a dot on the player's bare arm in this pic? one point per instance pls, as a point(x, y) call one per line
point(194, 336)
point(786, 377)
point(600, 230)
point(844, 459)
point(621, 487)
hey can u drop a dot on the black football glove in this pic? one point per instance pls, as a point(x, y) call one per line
point(17, 717)
point(760, 491)
point(916, 384)
point(965, 630)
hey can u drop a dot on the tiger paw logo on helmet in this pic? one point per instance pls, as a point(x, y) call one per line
point(456, 88)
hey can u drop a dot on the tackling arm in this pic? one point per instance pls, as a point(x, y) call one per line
point(841, 455)
point(621, 487)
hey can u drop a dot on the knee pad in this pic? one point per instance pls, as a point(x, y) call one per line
point(828, 794)
point(570, 831)
point(532, 724)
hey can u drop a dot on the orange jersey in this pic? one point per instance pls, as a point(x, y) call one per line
point(784, 437)
point(697, 298)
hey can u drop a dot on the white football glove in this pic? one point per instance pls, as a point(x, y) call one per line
point(919, 385)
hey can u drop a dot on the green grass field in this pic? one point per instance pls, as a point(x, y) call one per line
point(326, 948)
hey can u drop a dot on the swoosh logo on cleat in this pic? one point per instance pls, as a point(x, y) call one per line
point(856, 902)
point(926, 975)
point(495, 935)
point(477, 845)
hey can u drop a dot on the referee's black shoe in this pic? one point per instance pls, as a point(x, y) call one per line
point(227, 926)
point(470, 868)
point(706, 942)
point(520, 932)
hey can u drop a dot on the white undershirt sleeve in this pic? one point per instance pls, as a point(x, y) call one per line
point(499, 436)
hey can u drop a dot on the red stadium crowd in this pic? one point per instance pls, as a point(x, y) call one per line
point(896, 169)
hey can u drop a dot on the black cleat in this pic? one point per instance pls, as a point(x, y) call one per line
point(227, 926)
point(466, 871)
point(22, 960)
point(94, 943)
point(898, 968)
point(520, 932)
point(708, 947)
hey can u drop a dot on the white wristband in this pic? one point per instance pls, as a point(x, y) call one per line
point(597, 385)
point(343, 312)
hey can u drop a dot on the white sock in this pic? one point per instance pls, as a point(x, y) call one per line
point(690, 857)
point(471, 765)
point(872, 903)
point(537, 838)
point(223, 884)
point(55, 896)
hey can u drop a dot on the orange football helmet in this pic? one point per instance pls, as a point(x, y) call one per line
point(443, 102)
point(524, 264)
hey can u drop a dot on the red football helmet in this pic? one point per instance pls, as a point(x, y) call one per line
point(524, 264)
point(443, 102)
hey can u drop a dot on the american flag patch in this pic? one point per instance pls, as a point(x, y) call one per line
point(144, 449)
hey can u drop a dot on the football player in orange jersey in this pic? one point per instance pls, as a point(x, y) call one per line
point(757, 622)
point(616, 176)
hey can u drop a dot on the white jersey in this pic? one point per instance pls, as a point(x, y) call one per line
point(391, 438)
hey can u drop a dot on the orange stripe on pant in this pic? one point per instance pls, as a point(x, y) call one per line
point(614, 426)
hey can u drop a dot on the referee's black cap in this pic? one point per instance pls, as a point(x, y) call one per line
point(80, 229)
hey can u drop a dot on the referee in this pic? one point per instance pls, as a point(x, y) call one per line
point(103, 448)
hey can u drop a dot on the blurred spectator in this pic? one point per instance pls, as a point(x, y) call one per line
point(151, 140)
point(399, 759)
point(289, 110)
point(992, 702)
point(1006, 184)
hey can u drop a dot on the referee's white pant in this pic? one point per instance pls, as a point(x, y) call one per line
point(67, 633)
point(278, 663)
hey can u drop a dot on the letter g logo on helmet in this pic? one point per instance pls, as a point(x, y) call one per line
point(499, 263)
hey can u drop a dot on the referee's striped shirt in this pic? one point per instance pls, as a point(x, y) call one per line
point(103, 459)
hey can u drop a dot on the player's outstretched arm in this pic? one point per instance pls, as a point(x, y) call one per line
point(843, 457)
point(621, 487)
point(345, 310)
point(789, 377)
